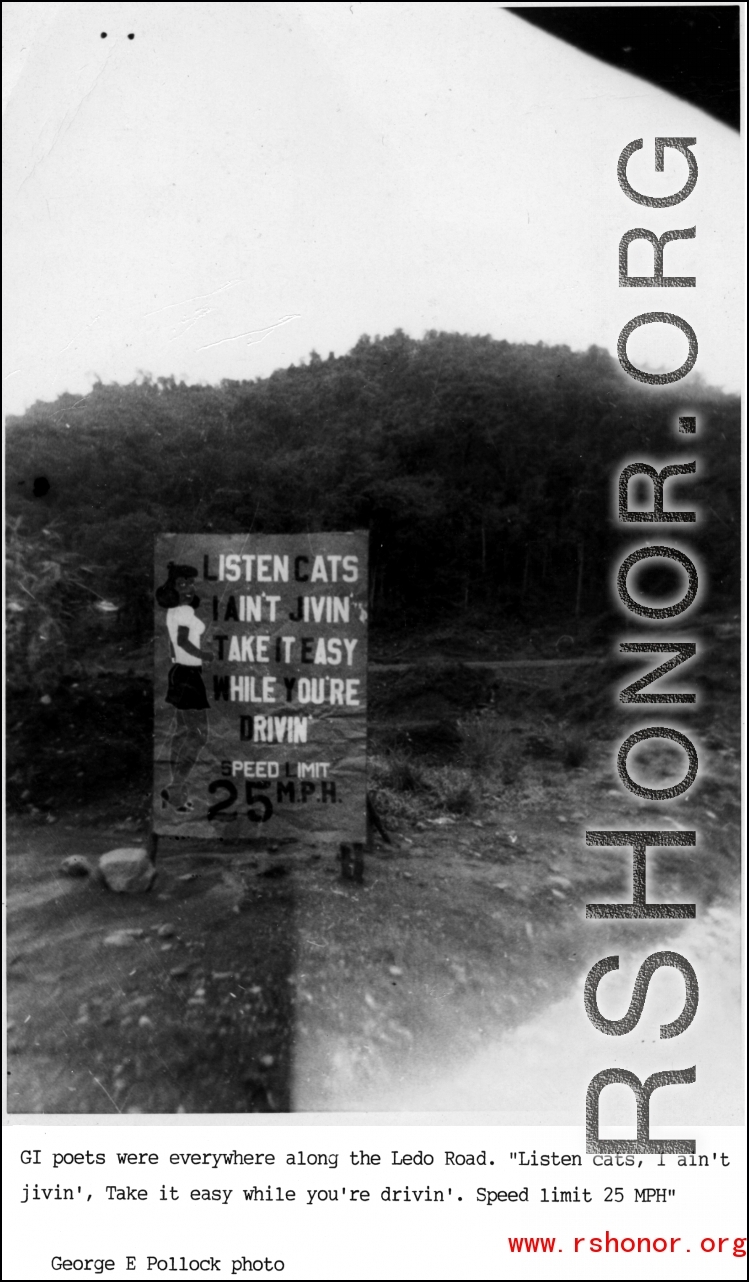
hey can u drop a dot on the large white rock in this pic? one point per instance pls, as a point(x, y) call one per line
point(127, 871)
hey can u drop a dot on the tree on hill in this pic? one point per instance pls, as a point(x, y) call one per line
point(481, 468)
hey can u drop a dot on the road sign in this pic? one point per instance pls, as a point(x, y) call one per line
point(261, 686)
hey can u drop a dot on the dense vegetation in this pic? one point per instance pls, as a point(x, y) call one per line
point(483, 470)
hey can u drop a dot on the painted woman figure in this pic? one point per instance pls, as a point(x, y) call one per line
point(186, 691)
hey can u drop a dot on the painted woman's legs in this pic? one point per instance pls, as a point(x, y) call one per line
point(187, 741)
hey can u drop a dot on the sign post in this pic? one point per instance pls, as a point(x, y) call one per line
point(261, 686)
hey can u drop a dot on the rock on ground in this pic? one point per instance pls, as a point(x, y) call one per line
point(76, 866)
point(127, 871)
point(123, 938)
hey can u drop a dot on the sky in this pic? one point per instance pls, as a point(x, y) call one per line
point(240, 184)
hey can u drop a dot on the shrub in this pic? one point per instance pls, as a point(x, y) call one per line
point(510, 763)
point(460, 800)
point(480, 740)
point(570, 746)
point(398, 773)
point(574, 749)
point(540, 746)
point(48, 600)
point(453, 789)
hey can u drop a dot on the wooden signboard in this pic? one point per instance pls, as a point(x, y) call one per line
point(261, 686)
